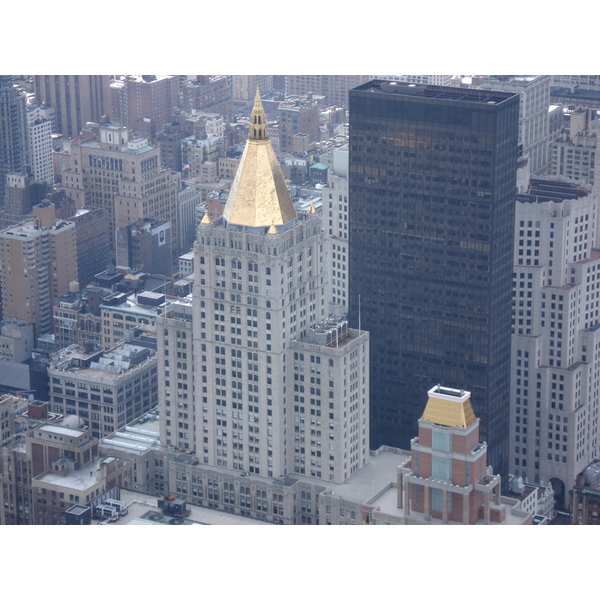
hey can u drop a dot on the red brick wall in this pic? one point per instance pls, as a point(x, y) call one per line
point(424, 464)
point(425, 437)
point(37, 459)
point(465, 443)
point(476, 499)
point(458, 472)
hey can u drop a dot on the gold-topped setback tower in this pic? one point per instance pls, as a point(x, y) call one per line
point(449, 478)
point(259, 196)
point(260, 321)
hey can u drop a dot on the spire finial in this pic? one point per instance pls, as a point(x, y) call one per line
point(258, 121)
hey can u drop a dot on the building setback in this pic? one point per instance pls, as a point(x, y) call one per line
point(432, 187)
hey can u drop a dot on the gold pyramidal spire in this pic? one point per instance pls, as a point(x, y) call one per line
point(259, 196)
point(206, 220)
point(449, 407)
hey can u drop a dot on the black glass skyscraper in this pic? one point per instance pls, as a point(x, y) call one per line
point(432, 192)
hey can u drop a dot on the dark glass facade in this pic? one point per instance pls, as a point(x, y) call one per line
point(432, 192)
point(13, 132)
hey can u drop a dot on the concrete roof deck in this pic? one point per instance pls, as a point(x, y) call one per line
point(366, 483)
point(81, 479)
point(139, 505)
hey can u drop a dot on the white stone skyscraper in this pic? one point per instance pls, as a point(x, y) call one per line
point(280, 386)
point(39, 135)
point(555, 386)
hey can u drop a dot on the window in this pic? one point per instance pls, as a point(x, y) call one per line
point(442, 441)
point(437, 500)
point(441, 468)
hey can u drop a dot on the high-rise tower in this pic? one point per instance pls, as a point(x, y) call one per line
point(280, 385)
point(76, 99)
point(556, 325)
point(432, 189)
point(37, 263)
point(13, 131)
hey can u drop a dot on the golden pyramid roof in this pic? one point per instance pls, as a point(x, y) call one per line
point(206, 220)
point(451, 408)
point(259, 196)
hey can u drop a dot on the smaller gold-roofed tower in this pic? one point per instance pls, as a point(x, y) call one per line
point(449, 478)
point(259, 196)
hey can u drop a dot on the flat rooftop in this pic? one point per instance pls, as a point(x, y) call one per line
point(143, 510)
point(438, 92)
point(81, 479)
point(550, 190)
point(59, 430)
point(368, 482)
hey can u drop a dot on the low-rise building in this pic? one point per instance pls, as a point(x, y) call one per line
point(573, 153)
point(186, 264)
point(52, 467)
point(586, 496)
point(122, 312)
point(77, 317)
point(16, 340)
point(105, 389)
point(145, 246)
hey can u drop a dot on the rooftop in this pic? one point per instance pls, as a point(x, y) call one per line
point(81, 479)
point(437, 92)
point(552, 190)
point(139, 437)
point(58, 430)
point(143, 510)
point(589, 478)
